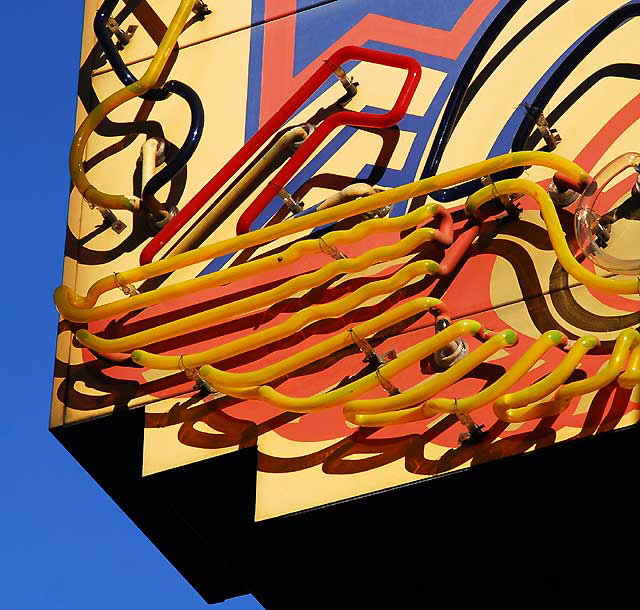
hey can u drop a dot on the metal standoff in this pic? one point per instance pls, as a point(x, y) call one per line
point(129, 289)
point(201, 10)
point(452, 352)
point(349, 84)
point(391, 389)
point(488, 181)
point(551, 136)
point(474, 431)
point(108, 217)
point(371, 357)
point(123, 36)
point(112, 220)
point(332, 251)
point(290, 202)
point(200, 384)
point(508, 201)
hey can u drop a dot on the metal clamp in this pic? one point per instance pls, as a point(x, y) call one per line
point(391, 389)
point(474, 431)
point(108, 216)
point(129, 289)
point(349, 84)
point(200, 384)
point(112, 220)
point(290, 202)
point(370, 355)
point(331, 250)
point(508, 201)
point(201, 10)
point(551, 136)
point(123, 36)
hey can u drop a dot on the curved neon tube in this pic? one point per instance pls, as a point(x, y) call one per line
point(516, 407)
point(541, 100)
point(279, 118)
point(182, 156)
point(356, 388)
point(631, 377)
point(346, 117)
point(452, 111)
point(69, 308)
point(556, 234)
point(392, 410)
point(223, 380)
point(517, 371)
point(626, 341)
point(93, 119)
point(296, 322)
point(263, 299)
point(69, 303)
point(243, 188)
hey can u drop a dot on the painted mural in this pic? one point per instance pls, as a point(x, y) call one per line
point(378, 240)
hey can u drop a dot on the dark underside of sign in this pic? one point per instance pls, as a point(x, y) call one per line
point(557, 523)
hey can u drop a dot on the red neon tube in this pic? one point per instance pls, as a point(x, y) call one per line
point(347, 117)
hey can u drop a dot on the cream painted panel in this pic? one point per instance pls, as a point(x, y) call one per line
point(515, 77)
point(223, 134)
point(228, 16)
point(294, 489)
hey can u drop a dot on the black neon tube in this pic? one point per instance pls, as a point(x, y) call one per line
point(452, 111)
point(182, 156)
point(185, 152)
point(566, 67)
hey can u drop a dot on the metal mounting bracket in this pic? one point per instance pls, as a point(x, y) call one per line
point(474, 432)
point(129, 289)
point(290, 202)
point(109, 218)
point(372, 358)
point(551, 136)
point(201, 10)
point(331, 250)
point(123, 36)
point(199, 383)
point(349, 84)
point(508, 201)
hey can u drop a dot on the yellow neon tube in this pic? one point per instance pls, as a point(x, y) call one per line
point(626, 341)
point(356, 388)
point(258, 301)
point(68, 306)
point(518, 406)
point(293, 324)
point(391, 410)
point(556, 234)
point(95, 117)
point(67, 300)
point(218, 379)
point(631, 377)
point(491, 393)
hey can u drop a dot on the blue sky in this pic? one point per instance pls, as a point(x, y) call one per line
point(65, 544)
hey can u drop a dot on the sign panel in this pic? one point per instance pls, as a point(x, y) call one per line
point(284, 235)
